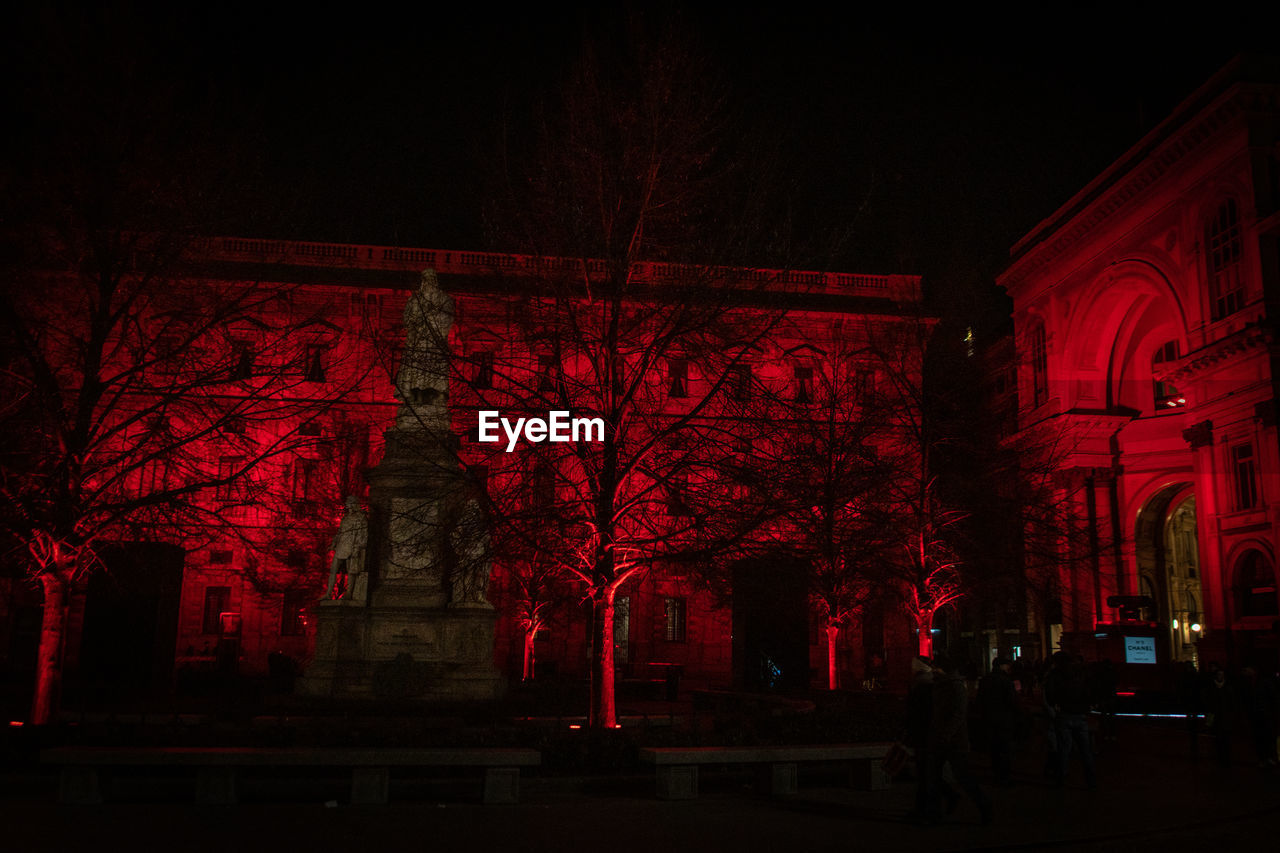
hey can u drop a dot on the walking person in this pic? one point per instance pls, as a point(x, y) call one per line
point(949, 733)
point(1259, 699)
point(1219, 711)
point(1052, 760)
point(1189, 693)
point(1067, 692)
point(998, 703)
point(930, 789)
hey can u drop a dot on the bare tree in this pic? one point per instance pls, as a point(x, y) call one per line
point(826, 475)
point(144, 397)
point(629, 205)
point(926, 568)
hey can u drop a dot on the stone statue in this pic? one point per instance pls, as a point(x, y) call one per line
point(349, 546)
point(469, 541)
point(423, 379)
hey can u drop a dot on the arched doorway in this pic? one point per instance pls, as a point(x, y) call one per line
point(1167, 549)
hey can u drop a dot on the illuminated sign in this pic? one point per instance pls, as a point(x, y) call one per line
point(1139, 649)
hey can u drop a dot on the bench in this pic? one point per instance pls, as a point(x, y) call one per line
point(216, 768)
point(677, 768)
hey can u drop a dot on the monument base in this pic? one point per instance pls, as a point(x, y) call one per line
point(432, 654)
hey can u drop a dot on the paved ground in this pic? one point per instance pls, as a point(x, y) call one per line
point(1152, 797)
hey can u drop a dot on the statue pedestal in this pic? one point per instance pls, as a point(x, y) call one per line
point(434, 654)
point(426, 630)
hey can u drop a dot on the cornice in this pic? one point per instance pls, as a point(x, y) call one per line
point(1251, 337)
point(1110, 193)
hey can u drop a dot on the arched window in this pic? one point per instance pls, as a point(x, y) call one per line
point(1256, 586)
point(1223, 247)
point(1166, 395)
point(1039, 367)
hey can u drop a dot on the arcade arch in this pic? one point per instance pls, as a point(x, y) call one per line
point(1167, 551)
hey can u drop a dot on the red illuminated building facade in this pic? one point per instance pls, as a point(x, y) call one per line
point(250, 591)
point(1144, 316)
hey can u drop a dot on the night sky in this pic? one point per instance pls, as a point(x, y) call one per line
point(932, 140)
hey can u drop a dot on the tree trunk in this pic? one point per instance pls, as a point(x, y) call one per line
point(53, 627)
point(529, 634)
point(603, 710)
point(833, 672)
point(924, 636)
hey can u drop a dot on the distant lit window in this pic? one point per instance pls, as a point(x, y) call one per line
point(217, 600)
point(678, 376)
point(1245, 476)
point(1039, 367)
point(676, 617)
point(1166, 395)
point(293, 614)
point(1223, 250)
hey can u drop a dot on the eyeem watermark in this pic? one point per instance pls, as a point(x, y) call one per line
point(557, 426)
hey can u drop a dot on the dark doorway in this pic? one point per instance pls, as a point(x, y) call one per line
point(131, 620)
point(771, 626)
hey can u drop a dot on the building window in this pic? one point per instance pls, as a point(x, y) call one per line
point(676, 620)
point(229, 478)
point(678, 374)
point(217, 600)
point(548, 373)
point(306, 479)
point(864, 384)
point(1223, 248)
point(804, 385)
point(220, 557)
point(1166, 395)
point(153, 476)
point(314, 370)
point(483, 377)
point(366, 307)
point(678, 496)
point(293, 615)
point(242, 356)
point(1256, 586)
point(1244, 474)
point(542, 486)
point(740, 382)
point(1039, 367)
